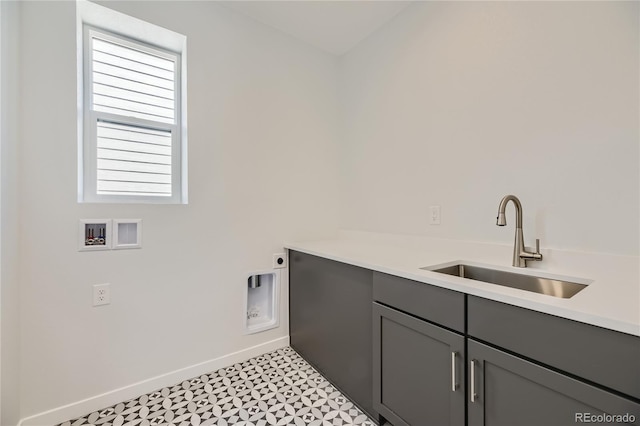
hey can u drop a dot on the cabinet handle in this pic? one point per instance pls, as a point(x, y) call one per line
point(474, 395)
point(454, 382)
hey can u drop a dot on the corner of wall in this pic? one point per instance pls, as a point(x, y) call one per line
point(9, 290)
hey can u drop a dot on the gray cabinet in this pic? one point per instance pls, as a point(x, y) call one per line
point(418, 353)
point(437, 305)
point(418, 370)
point(601, 356)
point(505, 390)
point(535, 369)
point(330, 322)
point(443, 358)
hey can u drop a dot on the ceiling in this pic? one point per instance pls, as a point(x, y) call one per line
point(333, 26)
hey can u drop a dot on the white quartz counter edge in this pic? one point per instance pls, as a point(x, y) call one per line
point(587, 306)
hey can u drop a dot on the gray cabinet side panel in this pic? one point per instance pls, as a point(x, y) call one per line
point(602, 356)
point(512, 391)
point(330, 322)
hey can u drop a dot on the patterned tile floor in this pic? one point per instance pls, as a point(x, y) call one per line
point(278, 388)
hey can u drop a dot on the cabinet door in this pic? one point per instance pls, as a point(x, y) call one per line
point(330, 322)
point(505, 390)
point(598, 355)
point(418, 376)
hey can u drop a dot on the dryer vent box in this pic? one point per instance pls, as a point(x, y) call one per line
point(127, 233)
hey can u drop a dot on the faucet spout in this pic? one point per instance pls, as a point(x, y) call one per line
point(501, 220)
point(520, 255)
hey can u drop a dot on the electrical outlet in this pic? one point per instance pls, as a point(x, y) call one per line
point(434, 218)
point(279, 261)
point(101, 294)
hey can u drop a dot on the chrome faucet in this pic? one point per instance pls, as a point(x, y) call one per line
point(520, 255)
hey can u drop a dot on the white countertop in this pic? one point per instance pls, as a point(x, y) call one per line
point(611, 299)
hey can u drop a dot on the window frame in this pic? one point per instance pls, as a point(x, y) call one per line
point(90, 118)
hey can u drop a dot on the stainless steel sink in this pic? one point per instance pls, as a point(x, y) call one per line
point(550, 287)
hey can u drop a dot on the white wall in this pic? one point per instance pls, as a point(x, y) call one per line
point(9, 147)
point(460, 103)
point(454, 104)
point(262, 131)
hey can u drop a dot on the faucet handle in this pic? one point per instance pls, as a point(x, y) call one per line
point(537, 255)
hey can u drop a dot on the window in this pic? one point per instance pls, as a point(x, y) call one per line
point(133, 126)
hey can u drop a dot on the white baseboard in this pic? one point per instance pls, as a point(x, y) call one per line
point(89, 405)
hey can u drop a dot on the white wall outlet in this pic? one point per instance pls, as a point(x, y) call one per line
point(279, 260)
point(434, 215)
point(101, 294)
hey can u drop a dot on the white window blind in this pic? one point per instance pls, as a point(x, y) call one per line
point(129, 82)
point(133, 160)
point(132, 120)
